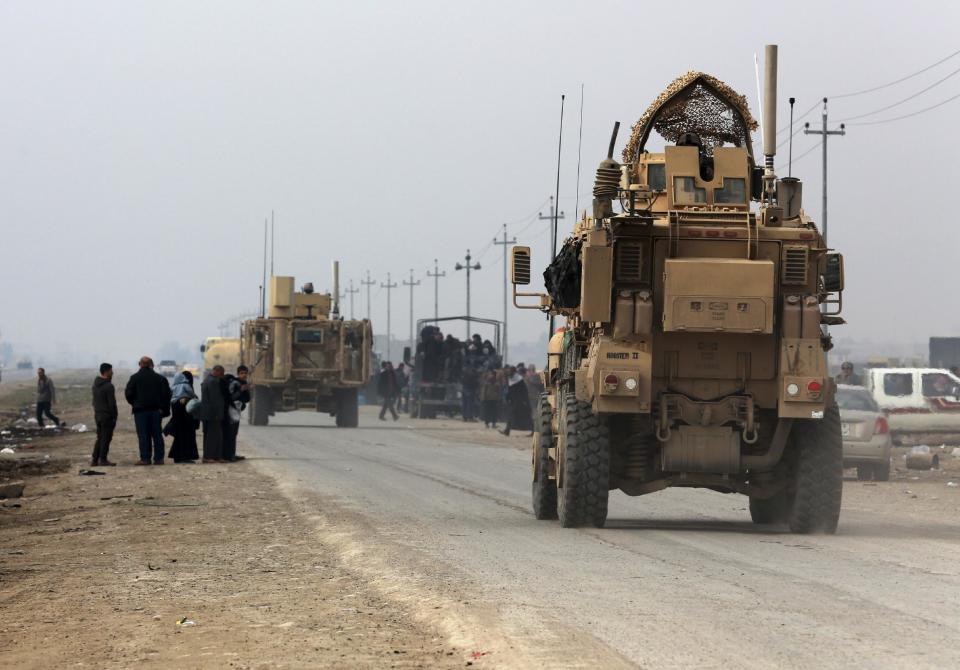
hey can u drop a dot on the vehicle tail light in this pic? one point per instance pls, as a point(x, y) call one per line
point(881, 427)
point(814, 387)
point(611, 381)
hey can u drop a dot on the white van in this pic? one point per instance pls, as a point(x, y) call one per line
point(922, 404)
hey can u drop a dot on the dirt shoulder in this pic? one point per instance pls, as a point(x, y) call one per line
point(97, 571)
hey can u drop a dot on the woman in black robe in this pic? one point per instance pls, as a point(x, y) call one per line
point(182, 426)
point(519, 416)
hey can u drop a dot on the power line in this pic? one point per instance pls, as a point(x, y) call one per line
point(896, 81)
point(872, 90)
point(907, 99)
point(906, 116)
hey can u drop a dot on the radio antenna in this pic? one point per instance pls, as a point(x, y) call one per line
point(271, 242)
point(576, 207)
point(263, 284)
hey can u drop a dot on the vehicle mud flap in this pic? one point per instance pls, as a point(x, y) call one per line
point(817, 485)
point(544, 489)
point(259, 412)
point(582, 500)
point(348, 411)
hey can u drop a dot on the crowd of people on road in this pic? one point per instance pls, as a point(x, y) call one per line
point(152, 398)
point(488, 390)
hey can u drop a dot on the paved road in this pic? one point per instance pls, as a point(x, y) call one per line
point(678, 579)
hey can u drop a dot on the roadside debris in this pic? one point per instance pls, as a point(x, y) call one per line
point(922, 458)
point(11, 490)
point(91, 472)
point(186, 622)
point(953, 485)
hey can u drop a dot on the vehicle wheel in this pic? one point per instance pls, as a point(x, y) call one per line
point(881, 471)
point(770, 510)
point(259, 412)
point(582, 500)
point(348, 412)
point(818, 483)
point(865, 472)
point(544, 488)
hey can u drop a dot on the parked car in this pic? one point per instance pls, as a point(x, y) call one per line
point(167, 368)
point(922, 404)
point(866, 434)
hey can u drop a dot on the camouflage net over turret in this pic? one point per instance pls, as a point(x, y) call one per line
point(695, 103)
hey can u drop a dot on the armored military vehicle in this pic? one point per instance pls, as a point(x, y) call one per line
point(303, 356)
point(223, 351)
point(697, 298)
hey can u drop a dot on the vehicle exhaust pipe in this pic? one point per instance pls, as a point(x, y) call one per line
point(769, 118)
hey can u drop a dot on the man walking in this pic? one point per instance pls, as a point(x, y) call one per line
point(46, 396)
point(387, 389)
point(403, 380)
point(213, 404)
point(149, 395)
point(104, 413)
point(238, 395)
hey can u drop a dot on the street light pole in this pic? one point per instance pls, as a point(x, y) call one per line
point(411, 284)
point(436, 274)
point(389, 286)
point(368, 283)
point(825, 134)
point(505, 243)
point(351, 291)
point(468, 267)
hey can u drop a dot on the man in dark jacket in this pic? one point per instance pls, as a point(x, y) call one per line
point(149, 395)
point(387, 389)
point(213, 405)
point(104, 413)
point(237, 397)
point(46, 396)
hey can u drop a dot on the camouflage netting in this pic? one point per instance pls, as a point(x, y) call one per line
point(695, 103)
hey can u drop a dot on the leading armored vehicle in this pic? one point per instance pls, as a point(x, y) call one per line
point(303, 356)
point(697, 299)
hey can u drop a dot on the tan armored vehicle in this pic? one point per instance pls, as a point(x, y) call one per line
point(696, 300)
point(303, 356)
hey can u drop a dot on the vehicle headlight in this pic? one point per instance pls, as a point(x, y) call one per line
point(792, 389)
point(631, 384)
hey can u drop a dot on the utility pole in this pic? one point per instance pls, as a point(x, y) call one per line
point(411, 284)
point(436, 274)
point(350, 292)
point(506, 271)
point(368, 283)
point(554, 217)
point(389, 286)
point(468, 267)
point(825, 133)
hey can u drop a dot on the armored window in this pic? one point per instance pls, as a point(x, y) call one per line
point(657, 176)
point(305, 336)
point(734, 191)
point(898, 384)
point(685, 191)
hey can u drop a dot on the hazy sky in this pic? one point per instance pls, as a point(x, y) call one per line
point(143, 144)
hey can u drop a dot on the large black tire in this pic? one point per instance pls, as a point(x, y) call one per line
point(582, 499)
point(258, 414)
point(348, 410)
point(544, 489)
point(865, 472)
point(770, 510)
point(818, 478)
